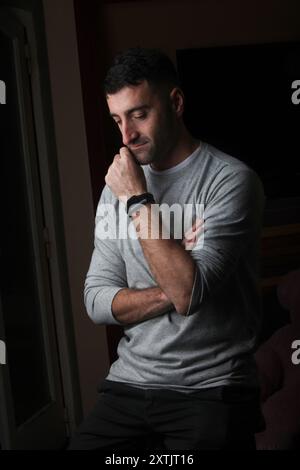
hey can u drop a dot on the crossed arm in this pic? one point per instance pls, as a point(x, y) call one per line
point(136, 305)
point(107, 297)
point(167, 260)
point(233, 222)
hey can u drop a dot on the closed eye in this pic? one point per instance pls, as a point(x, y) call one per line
point(140, 116)
point(137, 116)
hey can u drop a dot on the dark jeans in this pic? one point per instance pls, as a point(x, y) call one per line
point(126, 418)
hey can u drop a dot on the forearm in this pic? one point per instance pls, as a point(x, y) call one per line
point(171, 265)
point(136, 305)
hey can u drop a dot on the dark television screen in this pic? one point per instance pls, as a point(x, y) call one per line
point(239, 98)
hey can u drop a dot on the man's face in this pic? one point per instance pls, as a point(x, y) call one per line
point(145, 120)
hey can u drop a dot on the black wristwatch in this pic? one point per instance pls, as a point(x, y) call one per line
point(135, 202)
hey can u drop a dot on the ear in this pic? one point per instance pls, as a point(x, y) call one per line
point(177, 100)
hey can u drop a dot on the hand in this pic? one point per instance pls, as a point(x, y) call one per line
point(191, 236)
point(125, 177)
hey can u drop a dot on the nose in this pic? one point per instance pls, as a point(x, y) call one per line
point(129, 133)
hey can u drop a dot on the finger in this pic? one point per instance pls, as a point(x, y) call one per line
point(193, 236)
point(190, 239)
point(198, 223)
point(124, 151)
point(192, 232)
point(198, 231)
point(189, 246)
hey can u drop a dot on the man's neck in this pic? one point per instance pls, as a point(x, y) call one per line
point(182, 149)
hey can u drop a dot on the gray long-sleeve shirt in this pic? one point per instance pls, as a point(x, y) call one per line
point(214, 344)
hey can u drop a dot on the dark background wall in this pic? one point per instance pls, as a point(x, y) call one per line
point(172, 25)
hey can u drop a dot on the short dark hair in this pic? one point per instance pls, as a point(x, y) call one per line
point(134, 65)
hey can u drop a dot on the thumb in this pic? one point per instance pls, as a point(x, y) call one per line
point(125, 152)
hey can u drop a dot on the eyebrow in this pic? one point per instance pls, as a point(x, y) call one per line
point(143, 107)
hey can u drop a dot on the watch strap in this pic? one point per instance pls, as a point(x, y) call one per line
point(139, 200)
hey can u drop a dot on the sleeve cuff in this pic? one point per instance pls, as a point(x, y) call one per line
point(196, 295)
point(103, 304)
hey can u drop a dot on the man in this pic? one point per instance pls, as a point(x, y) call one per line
point(189, 304)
